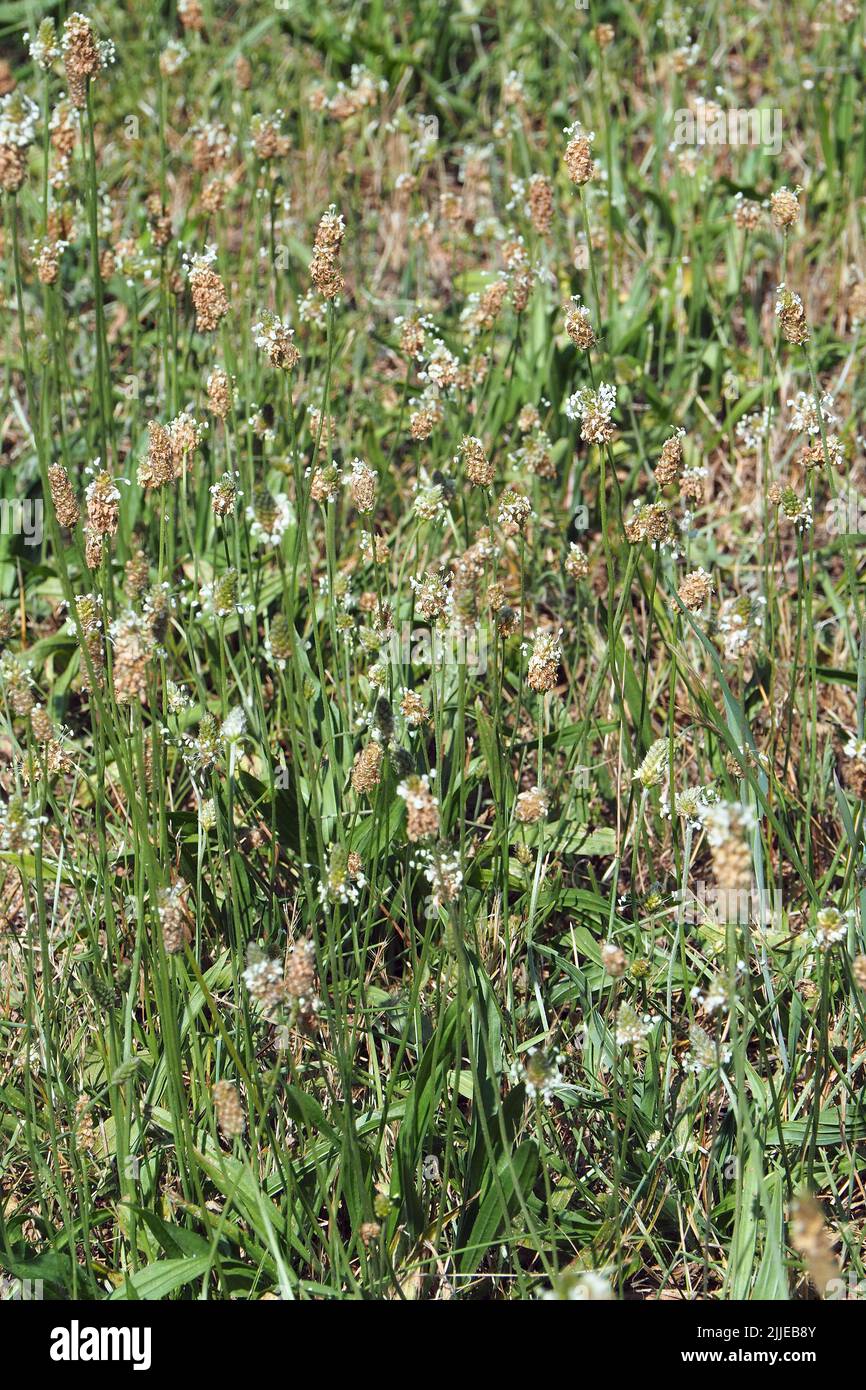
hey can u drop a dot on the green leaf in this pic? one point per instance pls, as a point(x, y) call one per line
point(499, 1202)
point(162, 1277)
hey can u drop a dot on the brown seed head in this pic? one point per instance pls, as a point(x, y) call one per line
point(209, 298)
point(576, 563)
point(367, 768)
point(578, 325)
point(103, 511)
point(422, 809)
point(228, 1109)
point(531, 806)
point(784, 208)
point(363, 482)
point(13, 168)
point(191, 15)
point(578, 160)
point(136, 574)
point(243, 73)
point(544, 663)
point(670, 464)
point(326, 275)
point(66, 507)
point(479, 469)
point(81, 56)
point(747, 214)
point(130, 655)
point(540, 199)
point(158, 467)
point(220, 393)
point(695, 589)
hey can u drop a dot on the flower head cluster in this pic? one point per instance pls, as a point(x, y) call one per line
point(433, 595)
point(715, 998)
point(576, 563)
point(234, 726)
point(169, 450)
point(268, 140)
point(276, 338)
point(695, 589)
point(131, 652)
point(422, 808)
point(791, 316)
point(174, 916)
point(18, 117)
point(263, 977)
point(207, 289)
point(670, 464)
point(212, 146)
point(798, 510)
point(578, 325)
point(83, 56)
point(594, 410)
point(747, 213)
point(440, 867)
point(692, 805)
point(325, 271)
point(219, 597)
point(220, 393)
point(442, 368)
point(19, 828)
point(654, 768)
point(704, 1054)
point(808, 414)
point(345, 877)
point(752, 429)
point(739, 623)
point(540, 1072)
point(362, 91)
point(479, 469)
point(173, 57)
point(363, 483)
point(831, 927)
point(224, 496)
point(784, 207)
point(430, 502)
point(578, 158)
point(531, 806)
point(514, 512)
point(44, 48)
point(545, 661)
point(725, 818)
point(652, 522)
point(270, 516)
point(632, 1028)
point(228, 1109)
point(590, 1286)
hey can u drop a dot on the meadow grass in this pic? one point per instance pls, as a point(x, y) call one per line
point(433, 666)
